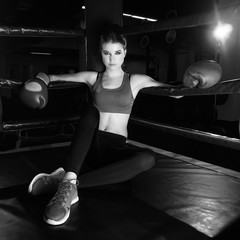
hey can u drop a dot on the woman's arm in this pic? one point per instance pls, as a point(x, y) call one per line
point(88, 77)
point(140, 81)
point(143, 81)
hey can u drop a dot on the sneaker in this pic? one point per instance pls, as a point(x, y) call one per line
point(46, 183)
point(58, 210)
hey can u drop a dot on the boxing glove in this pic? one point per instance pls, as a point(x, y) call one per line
point(34, 92)
point(202, 74)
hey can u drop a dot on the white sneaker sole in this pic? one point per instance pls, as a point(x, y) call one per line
point(57, 171)
point(55, 223)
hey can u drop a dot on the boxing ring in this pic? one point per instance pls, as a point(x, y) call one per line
point(182, 197)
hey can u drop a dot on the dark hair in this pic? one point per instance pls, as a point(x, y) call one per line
point(113, 33)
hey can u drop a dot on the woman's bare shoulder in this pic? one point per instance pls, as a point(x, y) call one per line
point(88, 77)
point(138, 79)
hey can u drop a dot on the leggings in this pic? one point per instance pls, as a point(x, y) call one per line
point(91, 148)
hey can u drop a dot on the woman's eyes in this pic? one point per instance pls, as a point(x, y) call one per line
point(116, 53)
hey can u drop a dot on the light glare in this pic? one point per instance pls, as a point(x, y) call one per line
point(222, 31)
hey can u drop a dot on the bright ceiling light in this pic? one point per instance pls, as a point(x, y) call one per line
point(139, 17)
point(222, 31)
point(133, 16)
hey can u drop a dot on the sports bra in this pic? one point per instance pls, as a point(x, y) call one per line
point(117, 100)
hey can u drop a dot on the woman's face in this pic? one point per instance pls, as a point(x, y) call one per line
point(113, 55)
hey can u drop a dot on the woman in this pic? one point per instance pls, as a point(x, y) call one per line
point(99, 154)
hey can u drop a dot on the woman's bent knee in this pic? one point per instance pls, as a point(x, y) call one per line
point(91, 114)
point(91, 111)
point(146, 161)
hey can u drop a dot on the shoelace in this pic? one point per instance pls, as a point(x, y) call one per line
point(64, 189)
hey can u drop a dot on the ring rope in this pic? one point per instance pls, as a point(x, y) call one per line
point(39, 32)
point(191, 21)
point(194, 134)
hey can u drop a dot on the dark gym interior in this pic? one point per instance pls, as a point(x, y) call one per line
point(193, 191)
